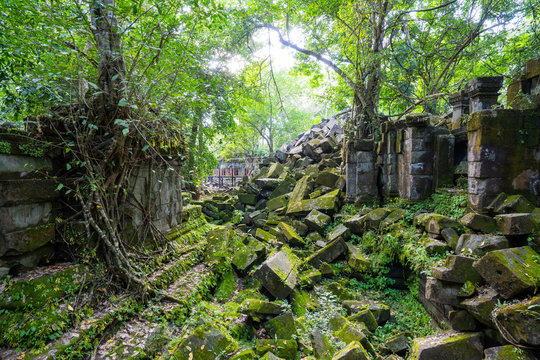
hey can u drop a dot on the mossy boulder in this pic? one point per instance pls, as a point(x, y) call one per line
point(374, 218)
point(286, 349)
point(285, 187)
point(436, 223)
point(365, 316)
point(515, 204)
point(275, 170)
point(301, 190)
point(327, 178)
point(247, 198)
point(511, 271)
point(277, 203)
point(355, 224)
point(398, 343)
point(478, 222)
point(508, 352)
point(327, 254)
point(205, 344)
point(309, 278)
point(339, 232)
point(394, 216)
point(478, 245)
point(322, 347)
point(282, 327)
point(290, 235)
point(481, 305)
point(521, 322)
point(327, 203)
point(259, 309)
point(248, 354)
point(515, 224)
point(353, 351)
point(448, 346)
point(451, 236)
point(357, 260)
point(317, 220)
point(457, 269)
point(278, 274)
point(265, 236)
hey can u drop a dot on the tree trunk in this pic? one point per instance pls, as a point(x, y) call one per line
point(111, 65)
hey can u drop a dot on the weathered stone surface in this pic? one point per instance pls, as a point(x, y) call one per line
point(322, 348)
point(326, 203)
point(19, 217)
point(435, 247)
point(521, 322)
point(356, 260)
point(515, 204)
point(399, 343)
point(285, 186)
point(461, 320)
point(511, 271)
point(437, 223)
point(22, 166)
point(247, 198)
point(21, 191)
point(265, 236)
point(282, 327)
point(285, 349)
point(373, 219)
point(290, 235)
point(477, 222)
point(457, 269)
point(353, 351)
point(277, 203)
point(205, 344)
point(275, 170)
point(27, 240)
point(508, 352)
point(340, 231)
point(478, 245)
point(278, 274)
point(515, 224)
point(317, 220)
point(365, 316)
point(448, 346)
point(451, 237)
point(481, 306)
point(442, 293)
point(355, 224)
point(393, 217)
point(328, 253)
point(260, 308)
point(327, 178)
point(301, 189)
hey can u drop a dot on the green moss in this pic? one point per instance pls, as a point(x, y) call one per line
point(226, 287)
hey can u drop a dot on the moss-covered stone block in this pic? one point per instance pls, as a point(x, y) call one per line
point(328, 253)
point(286, 349)
point(247, 198)
point(327, 203)
point(282, 327)
point(511, 271)
point(478, 245)
point(357, 260)
point(508, 352)
point(365, 316)
point(353, 351)
point(521, 321)
point(279, 273)
point(259, 309)
point(277, 203)
point(448, 346)
point(290, 235)
point(317, 220)
point(205, 344)
point(515, 224)
point(477, 222)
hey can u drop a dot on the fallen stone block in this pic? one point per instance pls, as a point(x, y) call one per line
point(373, 219)
point(448, 346)
point(340, 231)
point(353, 351)
point(478, 245)
point(442, 293)
point(317, 220)
point(457, 269)
point(435, 247)
point(275, 170)
point(247, 198)
point(285, 349)
point(437, 223)
point(451, 237)
point(327, 178)
point(477, 222)
point(267, 183)
point(278, 274)
point(265, 236)
point(461, 320)
point(258, 309)
point(327, 203)
point(282, 327)
point(328, 254)
point(365, 316)
point(393, 217)
point(205, 344)
point(515, 204)
point(508, 352)
point(515, 224)
point(481, 306)
point(399, 343)
point(309, 278)
point(511, 271)
point(290, 235)
point(355, 224)
point(356, 260)
point(520, 322)
point(277, 203)
point(322, 347)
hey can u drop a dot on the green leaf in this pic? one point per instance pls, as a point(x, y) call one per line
point(122, 102)
point(125, 131)
point(59, 187)
point(93, 85)
point(145, 147)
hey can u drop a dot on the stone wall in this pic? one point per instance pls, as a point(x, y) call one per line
point(154, 192)
point(27, 204)
point(503, 155)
